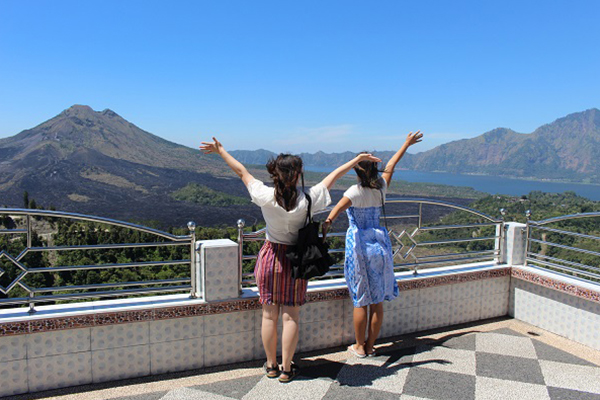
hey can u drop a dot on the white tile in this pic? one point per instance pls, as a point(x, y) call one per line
point(120, 363)
point(494, 389)
point(122, 335)
point(221, 324)
point(58, 342)
point(13, 348)
point(495, 285)
point(59, 371)
point(405, 299)
point(229, 348)
point(13, 377)
point(399, 322)
point(437, 294)
point(465, 310)
point(441, 358)
point(505, 344)
point(322, 310)
point(176, 329)
point(495, 305)
point(321, 334)
point(570, 376)
point(434, 316)
point(259, 350)
point(178, 355)
point(466, 290)
point(299, 388)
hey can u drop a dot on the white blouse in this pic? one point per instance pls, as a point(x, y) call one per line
point(282, 225)
point(362, 197)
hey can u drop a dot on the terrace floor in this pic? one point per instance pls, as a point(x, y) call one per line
point(498, 359)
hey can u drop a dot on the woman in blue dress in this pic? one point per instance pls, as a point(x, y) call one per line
point(369, 266)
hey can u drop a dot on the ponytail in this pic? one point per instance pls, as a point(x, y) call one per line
point(285, 170)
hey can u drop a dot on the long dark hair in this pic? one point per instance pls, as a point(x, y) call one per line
point(368, 174)
point(285, 170)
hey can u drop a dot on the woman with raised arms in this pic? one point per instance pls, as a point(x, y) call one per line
point(284, 209)
point(369, 265)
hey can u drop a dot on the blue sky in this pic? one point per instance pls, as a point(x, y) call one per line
point(304, 75)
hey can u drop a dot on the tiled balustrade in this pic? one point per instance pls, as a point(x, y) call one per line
point(96, 342)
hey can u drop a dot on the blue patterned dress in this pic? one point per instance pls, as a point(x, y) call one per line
point(369, 267)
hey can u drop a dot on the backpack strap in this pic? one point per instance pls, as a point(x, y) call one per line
point(309, 217)
point(383, 208)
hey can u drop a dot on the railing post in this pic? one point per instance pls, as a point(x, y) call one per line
point(240, 239)
point(527, 233)
point(193, 268)
point(31, 303)
point(500, 244)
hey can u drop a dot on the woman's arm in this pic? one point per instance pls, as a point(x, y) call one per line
point(237, 167)
point(330, 179)
point(411, 139)
point(340, 207)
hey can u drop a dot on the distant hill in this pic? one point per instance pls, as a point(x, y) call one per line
point(566, 149)
point(98, 163)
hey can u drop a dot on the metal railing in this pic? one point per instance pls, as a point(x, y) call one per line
point(537, 249)
point(96, 290)
point(337, 271)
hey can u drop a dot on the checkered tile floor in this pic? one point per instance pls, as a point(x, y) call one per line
point(500, 364)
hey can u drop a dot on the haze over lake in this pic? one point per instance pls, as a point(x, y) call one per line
point(490, 184)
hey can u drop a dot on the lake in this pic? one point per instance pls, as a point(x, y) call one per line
point(490, 184)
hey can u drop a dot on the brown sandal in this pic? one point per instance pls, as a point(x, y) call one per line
point(271, 372)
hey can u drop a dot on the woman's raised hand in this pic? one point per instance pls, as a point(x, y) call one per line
point(366, 157)
point(212, 147)
point(413, 138)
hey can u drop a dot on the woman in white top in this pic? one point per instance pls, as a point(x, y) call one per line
point(368, 266)
point(284, 208)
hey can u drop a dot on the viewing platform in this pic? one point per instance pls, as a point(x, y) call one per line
point(504, 321)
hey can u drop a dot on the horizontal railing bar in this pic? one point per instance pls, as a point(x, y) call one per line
point(573, 263)
point(249, 257)
point(92, 295)
point(441, 261)
point(562, 246)
point(441, 203)
point(457, 241)
point(581, 235)
point(111, 285)
point(563, 267)
point(333, 251)
point(109, 266)
point(399, 216)
point(566, 217)
point(439, 227)
point(490, 252)
point(90, 218)
point(334, 234)
point(254, 239)
point(9, 231)
point(108, 246)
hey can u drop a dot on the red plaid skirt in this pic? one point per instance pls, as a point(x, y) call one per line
point(273, 273)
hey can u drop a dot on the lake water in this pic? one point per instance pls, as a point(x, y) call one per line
point(490, 184)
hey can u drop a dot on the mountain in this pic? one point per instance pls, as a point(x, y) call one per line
point(99, 163)
point(566, 149)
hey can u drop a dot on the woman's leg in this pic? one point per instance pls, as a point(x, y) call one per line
point(291, 317)
point(375, 322)
point(360, 326)
point(269, 332)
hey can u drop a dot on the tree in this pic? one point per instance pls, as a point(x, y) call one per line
point(26, 199)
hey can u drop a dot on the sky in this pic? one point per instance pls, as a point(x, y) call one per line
point(301, 76)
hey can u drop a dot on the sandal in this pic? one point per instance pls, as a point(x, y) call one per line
point(271, 372)
point(372, 354)
point(352, 350)
point(289, 375)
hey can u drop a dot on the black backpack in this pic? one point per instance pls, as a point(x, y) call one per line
point(310, 256)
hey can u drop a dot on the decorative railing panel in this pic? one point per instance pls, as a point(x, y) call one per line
point(557, 244)
point(409, 232)
point(21, 240)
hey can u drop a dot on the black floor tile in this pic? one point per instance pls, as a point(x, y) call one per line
point(509, 368)
point(547, 352)
point(328, 370)
point(462, 342)
point(431, 384)
point(566, 394)
point(235, 388)
point(337, 392)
